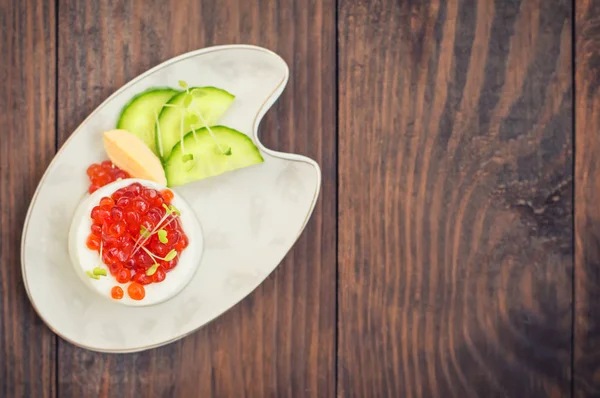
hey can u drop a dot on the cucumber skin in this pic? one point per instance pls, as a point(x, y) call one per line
point(166, 109)
point(125, 108)
point(138, 95)
point(175, 153)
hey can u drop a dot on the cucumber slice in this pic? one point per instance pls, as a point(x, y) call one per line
point(139, 115)
point(203, 158)
point(208, 102)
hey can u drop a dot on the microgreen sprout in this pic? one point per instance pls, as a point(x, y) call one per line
point(187, 100)
point(181, 131)
point(144, 232)
point(162, 236)
point(170, 255)
point(97, 271)
point(160, 146)
point(171, 209)
point(189, 161)
point(92, 275)
point(211, 133)
point(152, 270)
point(194, 127)
point(192, 119)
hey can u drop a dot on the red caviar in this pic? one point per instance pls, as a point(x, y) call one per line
point(104, 173)
point(167, 195)
point(125, 229)
point(116, 292)
point(136, 291)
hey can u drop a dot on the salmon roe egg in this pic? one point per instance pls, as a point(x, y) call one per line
point(101, 174)
point(116, 292)
point(167, 195)
point(136, 291)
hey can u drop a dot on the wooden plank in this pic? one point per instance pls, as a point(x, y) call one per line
point(280, 340)
point(586, 367)
point(455, 209)
point(27, 144)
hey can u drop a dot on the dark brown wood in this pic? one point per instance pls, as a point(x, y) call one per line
point(586, 369)
point(280, 341)
point(455, 198)
point(27, 144)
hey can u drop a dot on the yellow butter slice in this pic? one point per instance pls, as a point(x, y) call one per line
point(130, 154)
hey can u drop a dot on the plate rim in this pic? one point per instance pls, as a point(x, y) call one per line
point(272, 98)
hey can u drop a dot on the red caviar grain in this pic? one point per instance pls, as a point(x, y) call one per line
point(136, 291)
point(142, 278)
point(116, 292)
point(159, 275)
point(123, 276)
point(93, 242)
point(167, 195)
point(106, 201)
point(101, 174)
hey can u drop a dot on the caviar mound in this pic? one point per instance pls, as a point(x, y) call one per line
point(101, 174)
point(138, 234)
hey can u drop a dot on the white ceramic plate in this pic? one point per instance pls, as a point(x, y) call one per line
point(250, 217)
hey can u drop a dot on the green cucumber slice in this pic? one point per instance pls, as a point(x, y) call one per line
point(139, 115)
point(208, 102)
point(201, 157)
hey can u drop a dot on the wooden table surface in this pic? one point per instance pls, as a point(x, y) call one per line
point(455, 247)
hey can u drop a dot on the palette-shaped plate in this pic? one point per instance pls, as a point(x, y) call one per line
point(250, 217)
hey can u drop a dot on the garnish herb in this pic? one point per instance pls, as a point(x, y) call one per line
point(144, 232)
point(152, 270)
point(211, 132)
point(181, 131)
point(99, 271)
point(171, 209)
point(187, 100)
point(162, 236)
point(171, 255)
point(92, 275)
point(170, 212)
point(160, 147)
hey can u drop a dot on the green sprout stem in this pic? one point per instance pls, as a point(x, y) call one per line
point(210, 131)
point(160, 146)
point(142, 241)
point(170, 255)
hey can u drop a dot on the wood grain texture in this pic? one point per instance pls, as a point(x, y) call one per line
point(587, 196)
point(455, 198)
point(279, 342)
point(27, 143)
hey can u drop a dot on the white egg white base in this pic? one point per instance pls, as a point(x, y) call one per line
point(84, 259)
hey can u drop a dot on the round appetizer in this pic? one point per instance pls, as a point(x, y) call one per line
point(135, 242)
